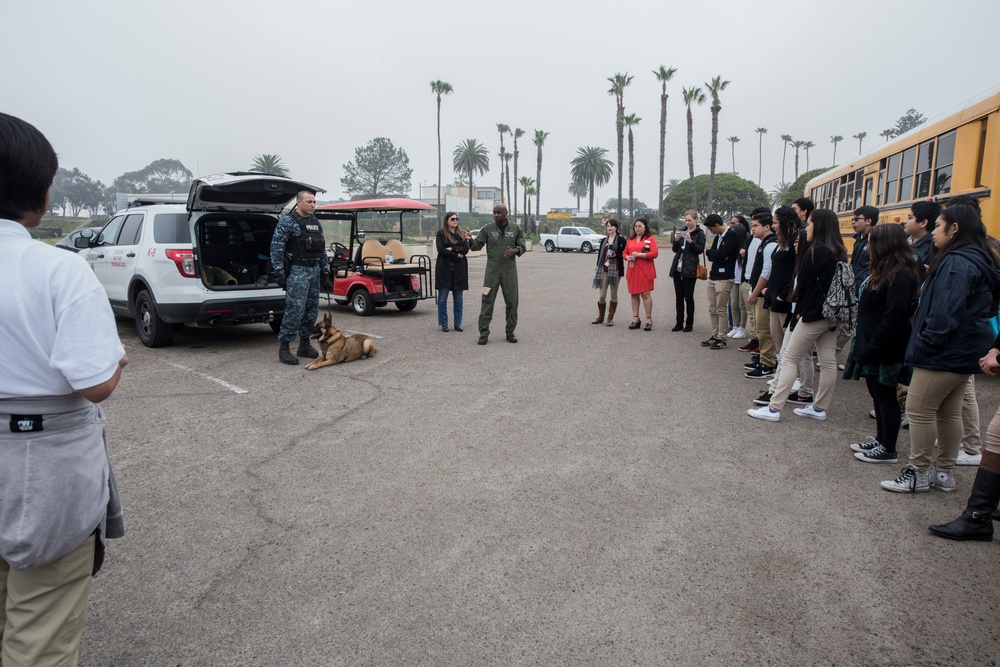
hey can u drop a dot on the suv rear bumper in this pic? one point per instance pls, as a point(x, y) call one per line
point(222, 311)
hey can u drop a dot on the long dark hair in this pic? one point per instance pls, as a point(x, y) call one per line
point(890, 255)
point(826, 231)
point(787, 222)
point(969, 231)
point(645, 225)
point(444, 226)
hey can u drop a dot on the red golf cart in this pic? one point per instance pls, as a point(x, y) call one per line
point(373, 270)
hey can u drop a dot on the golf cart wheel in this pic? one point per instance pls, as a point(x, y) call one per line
point(361, 302)
point(406, 306)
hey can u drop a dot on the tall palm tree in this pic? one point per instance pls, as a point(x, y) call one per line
point(518, 133)
point(778, 193)
point(440, 88)
point(692, 96)
point(797, 145)
point(734, 141)
point(578, 189)
point(528, 186)
point(539, 141)
point(506, 162)
point(835, 139)
point(631, 121)
point(787, 138)
point(592, 166)
point(502, 129)
point(715, 86)
point(471, 157)
point(760, 152)
point(663, 75)
point(887, 134)
point(267, 163)
point(860, 136)
point(807, 145)
point(618, 84)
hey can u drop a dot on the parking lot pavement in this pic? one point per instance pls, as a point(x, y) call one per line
point(588, 496)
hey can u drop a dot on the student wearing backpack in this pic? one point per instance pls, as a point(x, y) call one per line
point(950, 330)
point(820, 260)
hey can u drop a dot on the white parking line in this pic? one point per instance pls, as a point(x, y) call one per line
point(231, 387)
point(348, 331)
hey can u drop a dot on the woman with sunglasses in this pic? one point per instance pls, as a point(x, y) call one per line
point(451, 272)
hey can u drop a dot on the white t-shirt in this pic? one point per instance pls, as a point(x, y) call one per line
point(57, 330)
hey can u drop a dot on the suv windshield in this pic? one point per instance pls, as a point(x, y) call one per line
point(171, 228)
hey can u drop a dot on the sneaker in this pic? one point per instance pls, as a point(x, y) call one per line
point(809, 412)
point(750, 345)
point(801, 400)
point(942, 480)
point(904, 421)
point(765, 413)
point(760, 373)
point(871, 413)
point(965, 459)
point(739, 333)
point(877, 455)
point(865, 446)
point(708, 343)
point(796, 384)
point(729, 334)
point(756, 350)
point(841, 367)
point(764, 399)
point(910, 480)
point(717, 345)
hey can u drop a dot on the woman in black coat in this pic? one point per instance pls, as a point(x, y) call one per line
point(451, 272)
point(688, 246)
point(610, 269)
point(881, 335)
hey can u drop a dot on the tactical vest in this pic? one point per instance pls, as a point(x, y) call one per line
point(309, 246)
point(758, 262)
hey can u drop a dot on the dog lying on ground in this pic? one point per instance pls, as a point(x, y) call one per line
point(336, 348)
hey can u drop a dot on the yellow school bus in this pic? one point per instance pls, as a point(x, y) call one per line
point(955, 155)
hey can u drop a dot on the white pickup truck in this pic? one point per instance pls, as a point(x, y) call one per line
point(583, 239)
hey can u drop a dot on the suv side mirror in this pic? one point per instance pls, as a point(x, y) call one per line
point(84, 239)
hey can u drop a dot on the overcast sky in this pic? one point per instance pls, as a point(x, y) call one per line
point(116, 85)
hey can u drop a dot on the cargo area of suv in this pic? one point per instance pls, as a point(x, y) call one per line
point(233, 250)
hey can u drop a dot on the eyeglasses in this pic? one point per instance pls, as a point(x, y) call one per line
point(857, 218)
point(450, 219)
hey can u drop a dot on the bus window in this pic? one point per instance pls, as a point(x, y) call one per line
point(906, 174)
point(881, 183)
point(925, 158)
point(869, 186)
point(892, 180)
point(945, 161)
point(858, 177)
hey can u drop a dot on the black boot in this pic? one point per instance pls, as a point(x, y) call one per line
point(305, 349)
point(285, 355)
point(976, 522)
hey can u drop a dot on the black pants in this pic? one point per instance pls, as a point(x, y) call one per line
point(887, 417)
point(684, 291)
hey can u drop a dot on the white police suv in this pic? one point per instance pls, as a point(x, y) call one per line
point(202, 264)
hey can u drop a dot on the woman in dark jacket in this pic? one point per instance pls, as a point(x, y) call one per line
point(881, 335)
point(610, 269)
point(950, 331)
point(778, 298)
point(451, 272)
point(688, 245)
point(819, 263)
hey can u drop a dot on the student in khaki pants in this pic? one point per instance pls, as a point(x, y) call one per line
point(723, 254)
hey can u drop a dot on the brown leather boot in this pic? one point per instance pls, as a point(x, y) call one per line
point(600, 314)
point(611, 313)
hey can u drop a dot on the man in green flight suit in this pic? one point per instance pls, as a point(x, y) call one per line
point(504, 241)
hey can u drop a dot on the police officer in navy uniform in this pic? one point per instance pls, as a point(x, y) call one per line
point(298, 256)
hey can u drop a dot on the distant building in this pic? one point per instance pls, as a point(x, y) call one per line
point(455, 197)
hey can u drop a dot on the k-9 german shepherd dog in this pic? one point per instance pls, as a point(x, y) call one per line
point(336, 348)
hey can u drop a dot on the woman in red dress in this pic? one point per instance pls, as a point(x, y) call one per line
point(640, 251)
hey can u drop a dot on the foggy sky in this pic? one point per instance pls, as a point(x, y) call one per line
point(116, 85)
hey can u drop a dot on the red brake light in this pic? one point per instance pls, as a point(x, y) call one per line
point(184, 259)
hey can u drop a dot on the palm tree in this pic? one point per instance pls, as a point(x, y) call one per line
point(670, 185)
point(663, 75)
point(835, 139)
point(592, 166)
point(471, 157)
point(887, 134)
point(578, 189)
point(618, 84)
point(860, 136)
point(797, 145)
point(539, 141)
point(807, 145)
point(778, 193)
point(506, 162)
point(692, 96)
point(502, 129)
point(715, 86)
point(787, 138)
point(528, 185)
point(518, 133)
point(266, 163)
point(760, 152)
point(631, 121)
point(734, 141)
point(440, 88)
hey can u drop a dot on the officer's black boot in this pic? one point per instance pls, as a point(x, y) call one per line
point(305, 349)
point(285, 355)
point(976, 522)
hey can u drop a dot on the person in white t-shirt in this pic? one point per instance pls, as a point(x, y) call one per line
point(60, 353)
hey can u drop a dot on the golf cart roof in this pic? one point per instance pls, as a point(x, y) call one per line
point(378, 205)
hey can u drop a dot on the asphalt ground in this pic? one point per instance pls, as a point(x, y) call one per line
point(588, 496)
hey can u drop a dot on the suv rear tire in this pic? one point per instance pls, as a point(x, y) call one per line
point(275, 324)
point(153, 332)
